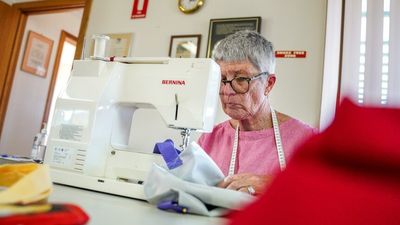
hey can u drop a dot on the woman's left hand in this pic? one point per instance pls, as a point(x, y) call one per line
point(246, 182)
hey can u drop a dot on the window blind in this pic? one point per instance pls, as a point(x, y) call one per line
point(371, 52)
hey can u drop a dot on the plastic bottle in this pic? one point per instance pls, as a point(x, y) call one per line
point(35, 147)
point(39, 145)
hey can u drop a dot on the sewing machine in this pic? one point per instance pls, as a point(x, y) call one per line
point(88, 141)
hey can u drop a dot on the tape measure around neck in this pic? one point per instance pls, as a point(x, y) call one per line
point(278, 142)
point(234, 152)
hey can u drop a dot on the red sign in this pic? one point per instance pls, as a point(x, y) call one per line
point(139, 9)
point(290, 54)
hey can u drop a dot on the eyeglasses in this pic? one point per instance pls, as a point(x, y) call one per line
point(241, 84)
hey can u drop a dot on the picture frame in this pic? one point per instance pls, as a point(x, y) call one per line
point(120, 44)
point(220, 28)
point(37, 54)
point(185, 46)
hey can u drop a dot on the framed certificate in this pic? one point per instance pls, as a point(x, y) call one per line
point(120, 44)
point(37, 54)
point(220, 28)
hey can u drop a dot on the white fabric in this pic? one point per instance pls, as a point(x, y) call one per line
point(192, 185)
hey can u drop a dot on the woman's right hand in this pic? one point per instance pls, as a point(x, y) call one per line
point(246, 182)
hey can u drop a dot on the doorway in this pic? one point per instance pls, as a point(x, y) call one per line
point(30, 97)
point(61, 72)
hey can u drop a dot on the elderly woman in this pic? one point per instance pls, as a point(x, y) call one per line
point(257, 141)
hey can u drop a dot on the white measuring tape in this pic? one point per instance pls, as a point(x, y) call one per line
point(278, 142)
point(234, 152)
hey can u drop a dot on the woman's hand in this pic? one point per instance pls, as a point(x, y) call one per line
point(246, 182)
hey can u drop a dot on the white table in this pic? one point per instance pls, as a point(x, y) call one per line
point(110, 209)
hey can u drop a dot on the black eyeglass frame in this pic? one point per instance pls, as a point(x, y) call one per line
point(248, 79)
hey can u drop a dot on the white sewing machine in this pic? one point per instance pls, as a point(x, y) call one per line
point(89, 135)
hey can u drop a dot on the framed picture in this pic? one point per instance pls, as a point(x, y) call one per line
point(220, 28)
point(37, 54)
point(185, 46)
point(120, 44)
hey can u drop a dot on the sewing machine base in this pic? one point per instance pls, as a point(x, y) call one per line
point(106, 185)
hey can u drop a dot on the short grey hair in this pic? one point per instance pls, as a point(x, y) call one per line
point(246, 45)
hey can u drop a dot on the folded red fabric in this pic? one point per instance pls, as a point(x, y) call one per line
point(348, 174)
point(60, 214)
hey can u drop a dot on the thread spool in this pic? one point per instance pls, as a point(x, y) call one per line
point(100, 43)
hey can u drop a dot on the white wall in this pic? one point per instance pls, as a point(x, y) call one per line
point(29, 92)
point(289, 24)
point(10, 2)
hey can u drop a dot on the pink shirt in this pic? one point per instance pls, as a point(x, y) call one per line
point(256, 151)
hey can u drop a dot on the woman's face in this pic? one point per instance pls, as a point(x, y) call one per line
point(242, 106)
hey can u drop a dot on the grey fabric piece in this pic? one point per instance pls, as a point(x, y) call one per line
point(192, 185)
point(198, 167)
point(188, 199)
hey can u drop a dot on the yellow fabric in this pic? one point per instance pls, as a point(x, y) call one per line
point(26, 183)
point(23, 209)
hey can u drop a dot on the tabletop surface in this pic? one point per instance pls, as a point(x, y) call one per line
point(110, 209)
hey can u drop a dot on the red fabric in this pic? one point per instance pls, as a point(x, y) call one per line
point(60, 214)
point(349, 174)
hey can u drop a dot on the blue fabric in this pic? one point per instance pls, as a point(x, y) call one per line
point(169, 153)
point(172, 205)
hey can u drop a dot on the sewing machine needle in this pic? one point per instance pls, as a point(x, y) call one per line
point(176, 106)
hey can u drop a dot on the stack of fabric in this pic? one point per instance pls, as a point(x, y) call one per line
point(24, 189)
